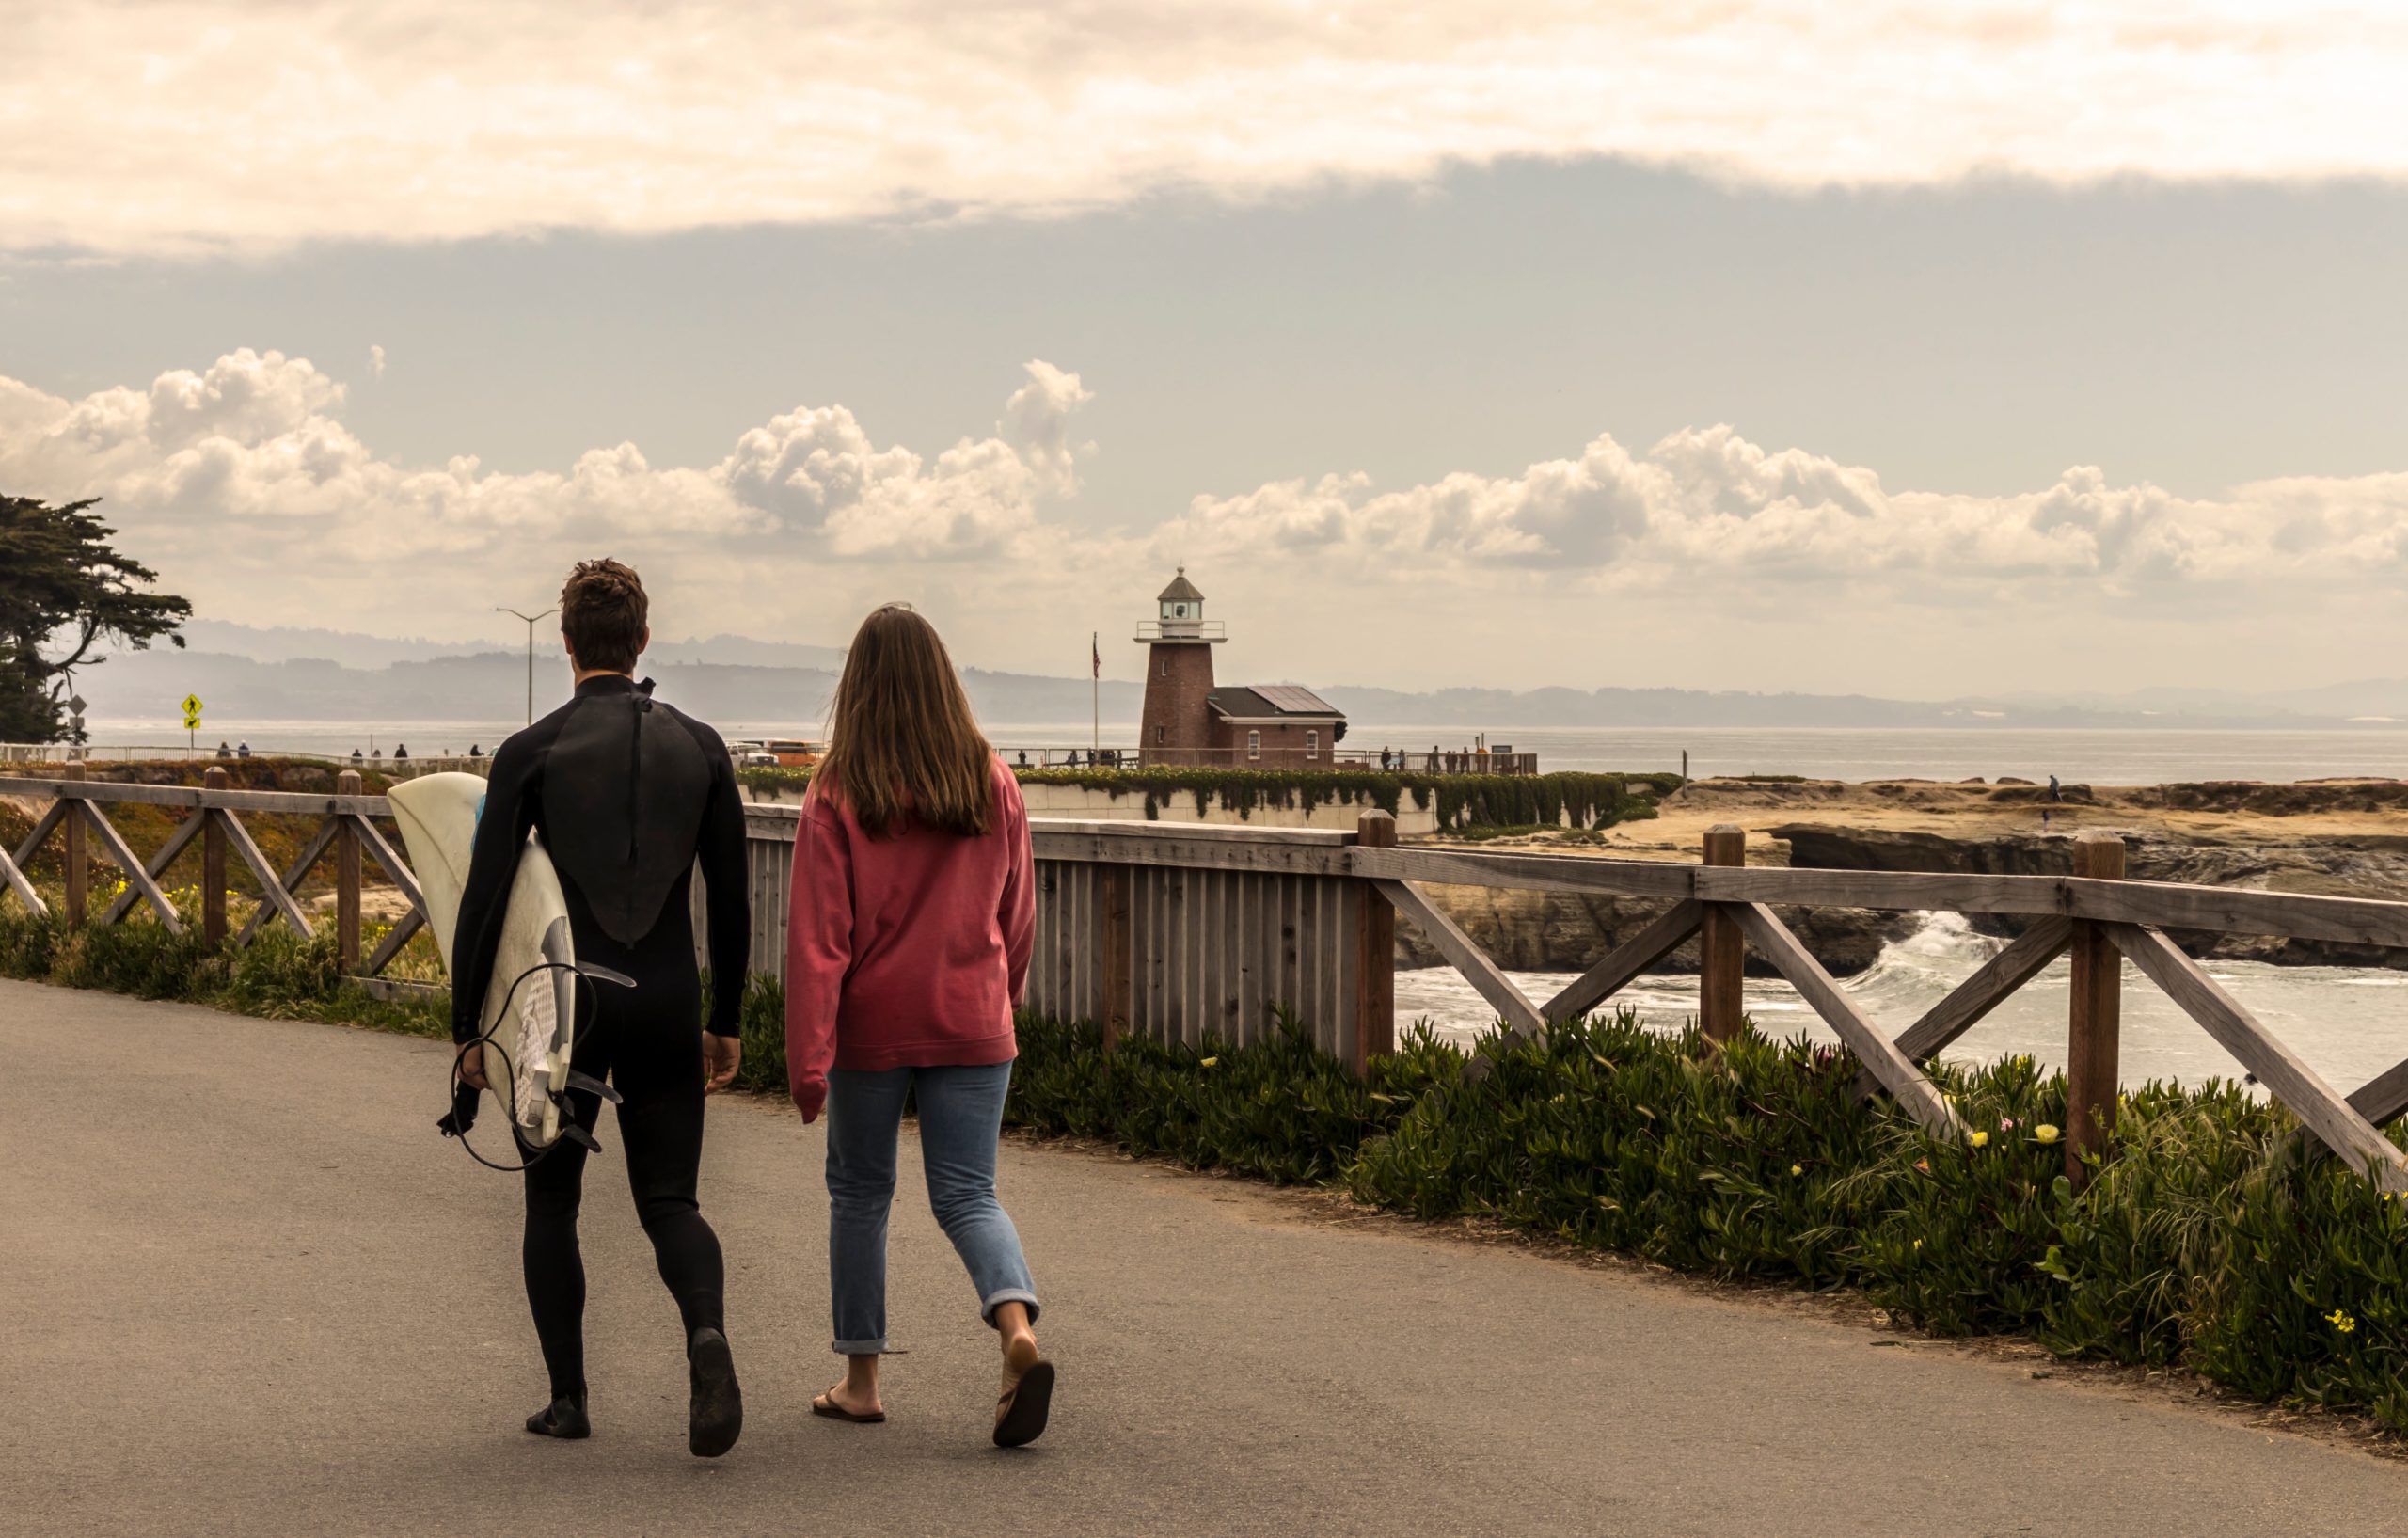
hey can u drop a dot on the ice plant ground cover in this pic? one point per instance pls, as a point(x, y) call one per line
point(2210, 1241)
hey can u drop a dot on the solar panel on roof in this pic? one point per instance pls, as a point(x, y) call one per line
point(1291, 697)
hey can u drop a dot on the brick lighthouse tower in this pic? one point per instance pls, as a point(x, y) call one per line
point(1177, 725)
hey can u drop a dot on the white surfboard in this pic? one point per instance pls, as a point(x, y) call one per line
point(437, 814)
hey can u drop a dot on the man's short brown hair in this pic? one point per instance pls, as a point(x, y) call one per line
point(603, 614)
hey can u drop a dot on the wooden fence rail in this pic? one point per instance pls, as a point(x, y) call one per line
point(1184, 932)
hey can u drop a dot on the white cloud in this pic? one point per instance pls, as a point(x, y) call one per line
point(242, 479)
point(231, 125)
point(1706, 501)
point(376, 361)
point(1036, 421)
point(244, 486)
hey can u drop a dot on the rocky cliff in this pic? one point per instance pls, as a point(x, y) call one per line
point(2367, 864)
point(1566, 931)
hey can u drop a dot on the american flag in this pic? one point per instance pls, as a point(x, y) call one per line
point(1094, 644)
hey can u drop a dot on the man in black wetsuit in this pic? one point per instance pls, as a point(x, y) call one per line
point(627, 795)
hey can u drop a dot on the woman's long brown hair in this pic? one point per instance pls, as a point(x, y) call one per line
point(901, 740)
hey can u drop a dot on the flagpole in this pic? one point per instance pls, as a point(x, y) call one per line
point(1095, 691)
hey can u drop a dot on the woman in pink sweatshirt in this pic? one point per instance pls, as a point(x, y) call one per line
point(907, 950)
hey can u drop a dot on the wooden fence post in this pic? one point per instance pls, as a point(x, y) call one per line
point(347, 878)
point(1374, 951)
point(213, 864)
point(79, 851)
point(1119, 977)
point(2095, 1021)
point(1721, 950)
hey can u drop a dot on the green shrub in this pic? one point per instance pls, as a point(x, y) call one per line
point(2206, 1241)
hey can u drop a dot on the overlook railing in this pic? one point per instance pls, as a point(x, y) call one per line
point(1183, 931)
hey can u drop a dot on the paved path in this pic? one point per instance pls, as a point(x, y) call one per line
point(245, 1289)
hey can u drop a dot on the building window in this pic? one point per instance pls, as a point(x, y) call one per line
point(1254, 744)
point(1158, 737)
point(1165, 664)
point(1312, 744)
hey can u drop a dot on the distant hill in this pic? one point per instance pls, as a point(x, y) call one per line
point(245, 673)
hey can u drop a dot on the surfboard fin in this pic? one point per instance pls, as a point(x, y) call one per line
point(593, 1087)
point(579, 1136)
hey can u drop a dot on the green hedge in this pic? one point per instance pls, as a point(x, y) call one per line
point(2204, 1243)
point(1462, 801)
point(280, 975)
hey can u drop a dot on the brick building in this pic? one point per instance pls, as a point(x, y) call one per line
point(1188, 720)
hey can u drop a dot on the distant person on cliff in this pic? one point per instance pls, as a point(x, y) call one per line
point(401, 752)
point(2055, 792)
point(913, 920)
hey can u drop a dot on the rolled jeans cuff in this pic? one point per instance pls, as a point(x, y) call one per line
point(1007, 1294)
point(859, 1348)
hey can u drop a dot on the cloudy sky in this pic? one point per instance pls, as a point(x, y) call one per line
point(1894, 347)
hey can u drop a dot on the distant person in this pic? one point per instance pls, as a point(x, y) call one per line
point(354, 756)
point(626, 864)
point(2056, 793)
point(1023, 758)
point(242, 750)
point(912, 919)
point(376, 756)
point(223, 750)
point(401, 752)
point(475, 752)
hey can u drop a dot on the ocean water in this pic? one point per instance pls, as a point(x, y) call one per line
point(2122, 755)
point(2348, 1023)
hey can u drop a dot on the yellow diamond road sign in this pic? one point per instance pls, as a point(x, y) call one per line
point(192, 705)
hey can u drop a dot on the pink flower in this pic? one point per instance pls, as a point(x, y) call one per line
point(2006, 1125)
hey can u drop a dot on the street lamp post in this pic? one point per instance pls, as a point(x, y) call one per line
point(531, 620)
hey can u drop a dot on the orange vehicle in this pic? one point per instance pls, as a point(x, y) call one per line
point(793, 753)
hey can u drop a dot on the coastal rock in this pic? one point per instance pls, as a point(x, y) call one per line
point(2362, 866)
point(1567, 931)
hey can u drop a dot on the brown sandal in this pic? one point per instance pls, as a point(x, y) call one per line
point(822, 1404)
point(1020, 1415)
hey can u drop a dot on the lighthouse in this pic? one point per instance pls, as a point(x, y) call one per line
point(1177, 724)
point(1189, 719)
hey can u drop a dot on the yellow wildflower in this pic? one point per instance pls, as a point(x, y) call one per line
point(1979, 1140)
point(2046, 1132)
point(1797, 1169)
point(1918, 1243)
point(2342, 1321)
point(1207, 1062)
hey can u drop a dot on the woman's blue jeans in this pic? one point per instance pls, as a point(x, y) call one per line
point(961, 1115)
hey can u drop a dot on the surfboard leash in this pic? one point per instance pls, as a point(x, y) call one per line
point(463, 1115)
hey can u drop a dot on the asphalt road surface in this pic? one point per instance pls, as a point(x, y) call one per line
point(245, 1289)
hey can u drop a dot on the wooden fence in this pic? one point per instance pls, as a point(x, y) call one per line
point(1180, 931)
